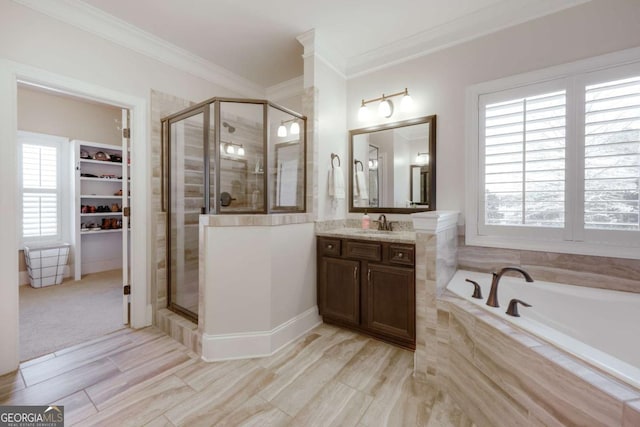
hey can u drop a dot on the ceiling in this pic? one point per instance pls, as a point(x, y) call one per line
point(256, 39)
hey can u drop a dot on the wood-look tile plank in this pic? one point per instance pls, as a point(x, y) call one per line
point(362, 372)
point(145, 405)
point(72, 360)
point(64, 384)
point(10, 383)
point(288, 353)
point(304, 387)
point(77, 407)
point(220, 398)
point(102, 392)
point(289, 371)
point(37, 360)
point(256, 412)
point(336, 405)
point(631, 414)
point(85, 345)
point(160, 421)
point(200, 374)
point(135, 356)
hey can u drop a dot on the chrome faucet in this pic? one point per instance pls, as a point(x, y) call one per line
point(493, 293)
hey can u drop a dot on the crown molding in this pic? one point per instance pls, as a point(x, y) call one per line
point(95, 21)
point(313, 46)
point(286, 89)
point(504, 14)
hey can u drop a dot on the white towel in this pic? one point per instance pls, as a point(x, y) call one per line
point(336, 183)
point(361, 186)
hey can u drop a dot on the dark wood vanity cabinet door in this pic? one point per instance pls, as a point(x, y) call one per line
point(339, 290)
point(389, 301)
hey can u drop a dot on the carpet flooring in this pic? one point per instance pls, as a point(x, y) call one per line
point(73, 312)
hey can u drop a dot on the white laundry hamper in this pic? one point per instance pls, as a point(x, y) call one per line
point(46, 263)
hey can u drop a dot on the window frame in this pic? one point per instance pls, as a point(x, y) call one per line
point(573, 238)
point(61, 145)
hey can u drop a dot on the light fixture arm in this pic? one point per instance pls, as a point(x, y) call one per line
point(404, 92)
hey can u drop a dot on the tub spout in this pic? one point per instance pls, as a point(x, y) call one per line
point(492, 301)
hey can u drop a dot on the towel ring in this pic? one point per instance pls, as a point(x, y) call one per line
point(355, 162)
point(334, 156)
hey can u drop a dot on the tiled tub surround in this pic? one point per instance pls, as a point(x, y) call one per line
point(503, 376)
point(599, 326)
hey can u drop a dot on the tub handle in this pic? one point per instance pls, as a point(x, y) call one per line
point(477, 292)
point(513, 307)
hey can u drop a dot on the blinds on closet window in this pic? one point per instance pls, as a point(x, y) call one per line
point(524, 163)
point(612, 155)
point(40, 216)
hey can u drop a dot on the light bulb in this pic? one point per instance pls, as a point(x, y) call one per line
point(230, 149)
point(407, 103)
point(385, 108)
point(295, 128)
point(240, 151)
point(282, 131)
point(363, 113)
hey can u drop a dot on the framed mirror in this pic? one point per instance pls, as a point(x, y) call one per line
point(393, 167)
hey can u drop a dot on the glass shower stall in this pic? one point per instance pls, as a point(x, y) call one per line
point(225, 156)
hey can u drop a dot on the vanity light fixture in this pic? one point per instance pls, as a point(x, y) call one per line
point(422, 158)
point(385, 108)
point(294, 129)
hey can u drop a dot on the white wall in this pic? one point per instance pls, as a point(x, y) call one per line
point(332, 137)
point(73, 118)
point(437, 82)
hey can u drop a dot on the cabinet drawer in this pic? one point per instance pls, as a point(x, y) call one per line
point(400, 254)
point(330, 247)
point(364, 251)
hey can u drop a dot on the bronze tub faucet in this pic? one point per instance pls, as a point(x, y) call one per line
point(493, 293)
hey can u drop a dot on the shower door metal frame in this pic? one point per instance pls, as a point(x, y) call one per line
point(166, 123)
point(210, 159)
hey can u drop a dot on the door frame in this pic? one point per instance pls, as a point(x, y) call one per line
point(10, 74)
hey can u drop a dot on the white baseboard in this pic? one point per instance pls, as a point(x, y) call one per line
point(258, 344)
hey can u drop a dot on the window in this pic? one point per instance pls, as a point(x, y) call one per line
point(557, 161)
point(41, 170)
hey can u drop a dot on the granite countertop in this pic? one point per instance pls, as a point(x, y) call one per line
point(373, 235)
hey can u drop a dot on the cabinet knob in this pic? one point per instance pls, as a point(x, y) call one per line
point(400, 254)
point(329, 246)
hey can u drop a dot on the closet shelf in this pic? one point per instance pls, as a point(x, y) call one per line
point(101, 162)
point(86, 178)
point(97, 196)
point(102, 214)
point(116, 230)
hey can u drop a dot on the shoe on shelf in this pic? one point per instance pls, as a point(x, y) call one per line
point(118, 193)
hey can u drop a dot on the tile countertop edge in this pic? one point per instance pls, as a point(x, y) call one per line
point(244, 220)
point(357, 234)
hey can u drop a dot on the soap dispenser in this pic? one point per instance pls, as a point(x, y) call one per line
point(365, 221)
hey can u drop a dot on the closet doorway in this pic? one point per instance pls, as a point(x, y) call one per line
point(74, 226)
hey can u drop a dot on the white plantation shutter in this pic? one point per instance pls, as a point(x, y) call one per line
point(40, 191)
point(524, 161)
point(612, 155)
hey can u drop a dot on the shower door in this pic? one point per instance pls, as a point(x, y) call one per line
point(187, 185)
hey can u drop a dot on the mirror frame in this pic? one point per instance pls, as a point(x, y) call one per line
point(431, 120)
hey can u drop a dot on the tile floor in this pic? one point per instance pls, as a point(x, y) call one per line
point(329, 377)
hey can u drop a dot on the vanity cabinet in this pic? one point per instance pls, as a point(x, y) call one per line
point(368, 286)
